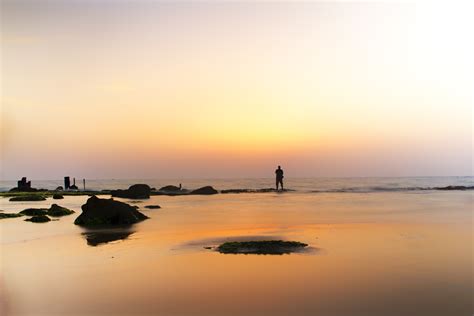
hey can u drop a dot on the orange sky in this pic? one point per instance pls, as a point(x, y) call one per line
point(103, 89)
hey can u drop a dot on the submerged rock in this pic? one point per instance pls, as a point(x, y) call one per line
point(56, 211)
point(34, 211)
point(57, 196)
point(98, 211)
point(152, 206)
point(10, 215)
point(270, 247)
point(33, 197)
point(207, 190)
point(136, 191)
point(38, 219)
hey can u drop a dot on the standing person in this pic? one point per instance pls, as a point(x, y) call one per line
point(279, 177)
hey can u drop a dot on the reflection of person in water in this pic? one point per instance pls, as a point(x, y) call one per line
point(279, 177)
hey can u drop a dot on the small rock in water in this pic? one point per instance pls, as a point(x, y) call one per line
point(270, 247)
point(207, 190)
point(57, 196)
point(152, 206)
point(38, 219)
point(28, 198)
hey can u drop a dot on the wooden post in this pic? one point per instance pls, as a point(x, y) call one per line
point(84, 183)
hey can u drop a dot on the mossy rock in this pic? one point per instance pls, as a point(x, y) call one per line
point(34, 211)
point(10, 215)
point(270, 247)
point(56, 211)
point(38, 219)
point(57, 196)
point(27, 198)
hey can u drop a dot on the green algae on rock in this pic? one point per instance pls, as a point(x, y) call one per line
point(38, 219)
point(34, 211)
point(270, 247)
point(10, 215)
point(56, 211)
point(31, 197)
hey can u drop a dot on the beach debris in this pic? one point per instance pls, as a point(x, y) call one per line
point(98, 211)
point(207, 190)
point(270, 247)
point(38, 219)
point(58, 196)
point(136, 191)
point(29, 198)
point(152, 207)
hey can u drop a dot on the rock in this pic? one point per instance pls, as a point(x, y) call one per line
point(152, 206)
point(207, 190)
point(34, 211)
point(38, 219)
point(9, 215)
point(455, 188)
point(271, 247)
point(33, 197)
point(56, 211)
point(170, 188)
point(98, 211)
point(136, 191)
point(237, 191)
point(60, 188)
point(58, 196)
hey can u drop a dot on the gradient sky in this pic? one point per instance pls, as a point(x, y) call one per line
point(132, 89)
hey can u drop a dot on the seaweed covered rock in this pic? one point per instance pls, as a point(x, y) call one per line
point(9, 215)
point(34, 211)
point(207, 190)
point(136, 191)
point(270, 247)
point(98, 211)
point(32, 197)
point(56, 211)
point(38, 219)
point(57, 196)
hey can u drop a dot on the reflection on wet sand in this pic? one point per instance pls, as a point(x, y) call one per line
point(102, 236)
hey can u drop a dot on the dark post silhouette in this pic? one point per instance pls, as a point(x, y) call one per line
point(279, 177)
point(67, 183)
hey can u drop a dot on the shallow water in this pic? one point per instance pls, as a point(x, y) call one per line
point(388, 253)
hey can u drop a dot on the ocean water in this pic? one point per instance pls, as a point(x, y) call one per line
point(297, 184)
point(377, 247)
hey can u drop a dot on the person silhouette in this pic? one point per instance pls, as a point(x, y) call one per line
point(279, 178)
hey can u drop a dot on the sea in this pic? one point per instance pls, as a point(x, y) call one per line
point(376, 246)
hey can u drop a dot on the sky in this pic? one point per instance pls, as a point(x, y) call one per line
point(148, 89)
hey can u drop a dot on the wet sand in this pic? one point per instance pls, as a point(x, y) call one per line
point(372, 254)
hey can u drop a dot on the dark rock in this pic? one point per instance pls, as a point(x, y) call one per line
point(152, 206)
point(34, 211)
point(56, 211)
point(9, 215)
point(60, 188)
point(237, 191)
point(207, 190)
point(58, 196)
point(38, 219)
point(455, 188)
point(73, 187)
point(136, 191)
point(98, 211)
point(32, 197)
point(170, 188)
point(270, 247)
